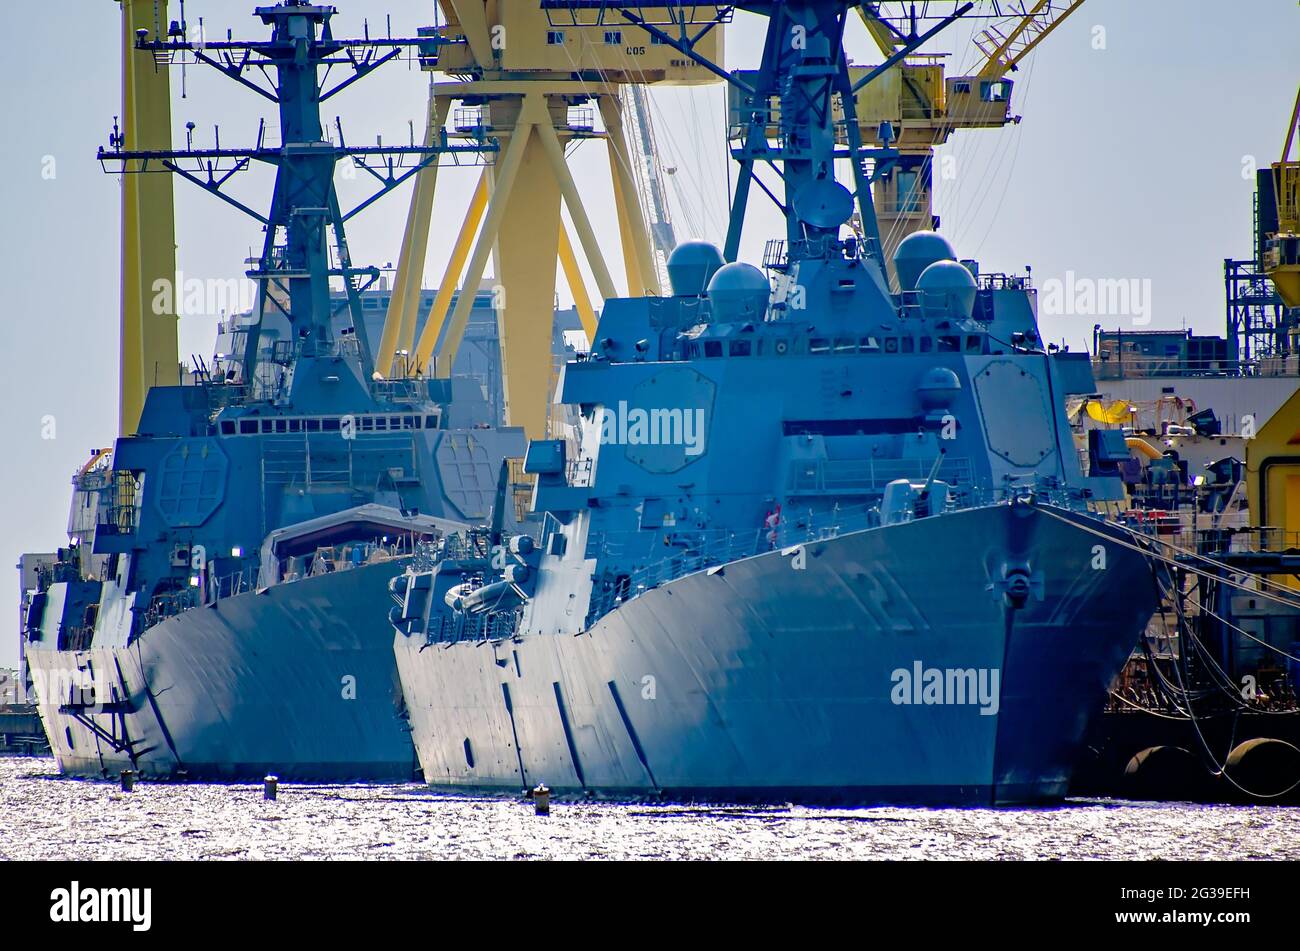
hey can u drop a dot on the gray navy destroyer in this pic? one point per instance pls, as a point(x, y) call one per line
point(214, 615)
point(811, 539)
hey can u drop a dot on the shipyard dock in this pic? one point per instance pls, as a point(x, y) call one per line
point(20, 730)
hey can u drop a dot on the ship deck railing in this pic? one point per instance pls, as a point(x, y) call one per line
point(322, 561)
point(1200, 533)
point(840, 477)
point(1139, 366)
point(705, 549)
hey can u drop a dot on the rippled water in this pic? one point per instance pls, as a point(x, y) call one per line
point(43, 816)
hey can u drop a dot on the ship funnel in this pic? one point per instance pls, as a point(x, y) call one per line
point(917, 252)
point(947, 289)
point(691, 266)
point(739, 292)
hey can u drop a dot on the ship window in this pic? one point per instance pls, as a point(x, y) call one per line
point(281, 425)
point(554, 37)
point(927, 344)
point(819, 345)
point(891, 345)
point(366, 424)
point(330, 424)
point(408, 422)
point(313, 425)
point(907, 344)
point(394, 423)
point(431, 422)
point(974, 345)
point(846, 345)
point(949, 344)
point(870, 345)
point(740, 348)
point(713, 348)
point(267, 425)
point(613, 37)
point(227, 428)
point(295, 425)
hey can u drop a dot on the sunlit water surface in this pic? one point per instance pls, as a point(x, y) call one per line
point(45, 817)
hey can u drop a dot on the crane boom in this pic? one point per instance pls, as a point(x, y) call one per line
point(1004, 51)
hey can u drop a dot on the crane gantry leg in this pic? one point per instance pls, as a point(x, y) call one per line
point(447, 287)
point(518, 202)
point(577, 211)
point(149, 355)
point(504, 175)
point(527, 248)
point(404, 304)
point(642, 275)
point(573, 275)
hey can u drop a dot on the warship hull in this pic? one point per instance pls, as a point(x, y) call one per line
point(296, 680)
point(763, 681)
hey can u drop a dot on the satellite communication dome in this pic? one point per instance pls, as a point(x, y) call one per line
point(947, 289)
point(691, 266)
point(739, 292)
point(917, 252)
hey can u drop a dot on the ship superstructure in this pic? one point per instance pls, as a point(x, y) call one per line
point(810, 538)
point(208, 618)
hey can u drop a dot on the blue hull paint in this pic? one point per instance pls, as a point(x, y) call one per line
point(764, 682)
point(257, 685)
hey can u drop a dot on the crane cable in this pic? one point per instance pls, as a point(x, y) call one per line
point(1159, 561)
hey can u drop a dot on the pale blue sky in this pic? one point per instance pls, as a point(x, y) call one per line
point(1128, 165)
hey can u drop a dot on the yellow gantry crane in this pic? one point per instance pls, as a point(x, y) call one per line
point(923, 106)
point(1282, 248)
point(535, 87)
point(149, 355)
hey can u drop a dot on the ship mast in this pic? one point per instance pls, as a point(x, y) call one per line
point(295, 268)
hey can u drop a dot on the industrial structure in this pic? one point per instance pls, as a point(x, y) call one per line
point(1263, 291)
point(535, 88)
point(913, 104)
point(149, 354)
point(1281, 228)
